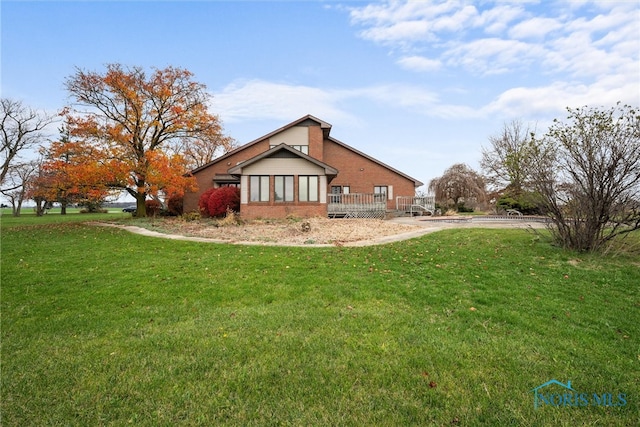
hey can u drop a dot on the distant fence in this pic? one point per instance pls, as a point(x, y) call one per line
point(488, 218)
point(515, 218)
point(356, 205)
point(416, 204)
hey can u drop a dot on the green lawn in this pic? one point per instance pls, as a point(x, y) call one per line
point(103, 327)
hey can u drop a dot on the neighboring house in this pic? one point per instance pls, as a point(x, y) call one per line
point(300, 170)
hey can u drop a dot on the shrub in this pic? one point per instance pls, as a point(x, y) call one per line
point(153, 207)
point(174, 205)
point(231, 218)
point(191, 216)
point(464, 209)
point(215, 202)
point(521, 202)
point(204, 201)
point(95, 210)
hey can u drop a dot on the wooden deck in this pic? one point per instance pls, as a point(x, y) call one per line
point(369, 205)
point(356, 205)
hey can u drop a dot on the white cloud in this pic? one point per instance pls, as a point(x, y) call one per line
point(462, 18)
point(419, 63)
point(493, 55)
point(497, 20)
point(397, 11)
point(535, 28)
point(400, 32)
point(552, 100)
point(258, 99)
point(600, 33)
point(399, 22)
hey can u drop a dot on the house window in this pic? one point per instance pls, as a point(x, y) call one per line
point(259, 186)
point(337, 191)
point(308, 188)
point(283, 188)
point(340, 189)
point(380, 192)
point(229, 184)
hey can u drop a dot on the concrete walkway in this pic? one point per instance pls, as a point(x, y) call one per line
point(426, 225)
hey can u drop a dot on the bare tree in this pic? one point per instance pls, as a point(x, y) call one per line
point(507, 162)
point(587, 175)
point(199, 152)
point(18, 179)
point(21, 128)
point(458, 185)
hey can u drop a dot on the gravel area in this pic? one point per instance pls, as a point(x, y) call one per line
point(312, 231)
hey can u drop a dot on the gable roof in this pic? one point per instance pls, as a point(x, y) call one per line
point(348, 147)
point(282, 148)
point(326, 129)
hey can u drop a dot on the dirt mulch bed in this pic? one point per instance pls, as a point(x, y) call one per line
point(312, 231)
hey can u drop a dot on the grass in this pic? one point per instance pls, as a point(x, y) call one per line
point(103, 327)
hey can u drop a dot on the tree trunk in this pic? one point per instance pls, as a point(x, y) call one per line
point(40, 205)
point(141, 207)
point(16, 207)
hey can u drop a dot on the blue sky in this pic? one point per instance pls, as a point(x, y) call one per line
point(420, 85)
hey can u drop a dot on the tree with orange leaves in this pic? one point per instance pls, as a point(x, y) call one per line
point(138, 120)
point(75, 171)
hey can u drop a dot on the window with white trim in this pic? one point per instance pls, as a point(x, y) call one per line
point(283, 188)
point(380, 192)
point(259, 187)
point(308, 188)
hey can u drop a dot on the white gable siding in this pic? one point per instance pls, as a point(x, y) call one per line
point(283, 167)
point(297, 135)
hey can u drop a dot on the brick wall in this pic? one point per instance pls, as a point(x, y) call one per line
point(316, 143)
point(362, 174)
point(204, 177)
point(255, 210)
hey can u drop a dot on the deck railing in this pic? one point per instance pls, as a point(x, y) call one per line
point(357, 205)
point(416, 204)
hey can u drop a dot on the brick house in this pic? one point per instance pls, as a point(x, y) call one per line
point(300, 170)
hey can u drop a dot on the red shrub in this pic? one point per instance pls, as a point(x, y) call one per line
point(223, 199)
point(204, 200)
point(216, 201)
